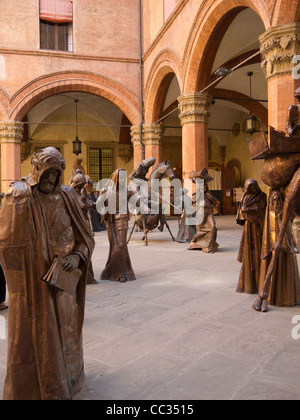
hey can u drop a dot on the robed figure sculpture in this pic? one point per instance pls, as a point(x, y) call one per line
point(40, 222)
point(251, 215)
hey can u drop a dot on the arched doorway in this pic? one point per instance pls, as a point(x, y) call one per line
point(102, 128)
point(171, 128)
point(230, 73)
point(163, 87)
point(46, 108)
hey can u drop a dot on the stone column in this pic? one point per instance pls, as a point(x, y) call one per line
point(194, 116)
point(151, 137)
point(279, 48)
point(11, 134)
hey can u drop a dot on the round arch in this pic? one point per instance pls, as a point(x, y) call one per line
point(197, 57)
point(56, 83)
point(286, 12)
point(164, 67)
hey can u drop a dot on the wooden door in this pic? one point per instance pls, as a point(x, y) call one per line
point(228, 184)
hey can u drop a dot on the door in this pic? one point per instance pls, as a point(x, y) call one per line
point(228, 184)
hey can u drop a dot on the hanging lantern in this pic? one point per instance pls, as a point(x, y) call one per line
point(77, 146)
point(251, 122)
point(76, 143)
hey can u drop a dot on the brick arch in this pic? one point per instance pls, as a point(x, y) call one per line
point(217, 14)
point(166, 65)
point(286, 12)
point(53, 84)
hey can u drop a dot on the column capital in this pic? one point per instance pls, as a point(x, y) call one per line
point(194, 108)
point(11, 132)
point(151, 134)
point(279, 46)
point(135, 135)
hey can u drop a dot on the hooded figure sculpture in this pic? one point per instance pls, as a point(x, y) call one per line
point(41, 219)
point(251, 215)
point(118, 266)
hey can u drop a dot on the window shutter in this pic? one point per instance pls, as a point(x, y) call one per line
point(56, 11)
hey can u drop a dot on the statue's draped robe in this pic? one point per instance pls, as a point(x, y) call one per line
point(285, 282)
point(118, 266)
point(45, 358)
point(187, 228)
point(251, 215)
point(205, 237)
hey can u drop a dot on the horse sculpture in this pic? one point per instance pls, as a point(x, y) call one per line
point(149, 222)
point(281, 170)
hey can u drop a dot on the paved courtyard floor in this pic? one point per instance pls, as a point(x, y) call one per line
point(180, 331)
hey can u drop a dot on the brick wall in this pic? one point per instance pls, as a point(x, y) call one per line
point(105, 40)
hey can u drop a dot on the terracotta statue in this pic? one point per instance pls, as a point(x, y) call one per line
point(118, 266)
point(251, 215)
point(206, 232)
point(284, 289)
point(45, 355)
point(78, 182)
point(94, 216)
point(78, 166)
point(186, 230)
point(280, 171)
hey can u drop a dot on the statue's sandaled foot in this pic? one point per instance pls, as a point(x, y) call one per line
point(257, 304)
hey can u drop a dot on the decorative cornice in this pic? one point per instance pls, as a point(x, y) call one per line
point(194, 108)
point(68, 55)
point(11, 132)
point(279, 46)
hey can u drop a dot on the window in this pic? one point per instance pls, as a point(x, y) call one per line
point(101, 163)
point(56, 17)
point(55, 36)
